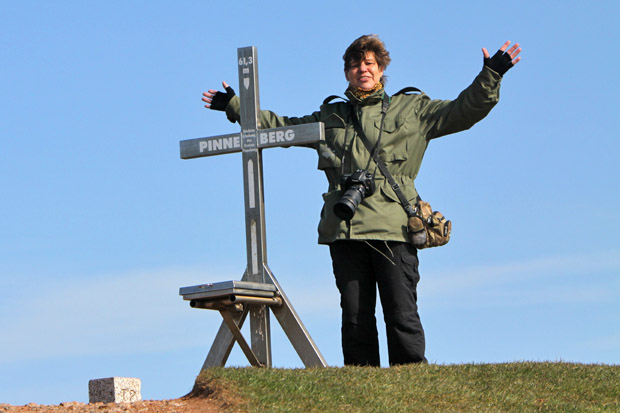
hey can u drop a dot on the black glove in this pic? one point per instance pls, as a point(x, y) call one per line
point(220, 100)
point(500, 62)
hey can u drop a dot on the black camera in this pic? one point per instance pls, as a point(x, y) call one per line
point(357, 186)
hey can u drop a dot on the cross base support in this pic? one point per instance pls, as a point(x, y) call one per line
point(230, 305)
point(235, 300)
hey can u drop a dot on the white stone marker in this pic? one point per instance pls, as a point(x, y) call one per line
point(114, 390)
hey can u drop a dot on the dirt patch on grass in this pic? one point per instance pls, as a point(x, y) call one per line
point(146, 406)
point(187, 405)
point(207, 396)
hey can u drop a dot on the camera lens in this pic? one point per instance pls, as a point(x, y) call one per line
point(345, 207)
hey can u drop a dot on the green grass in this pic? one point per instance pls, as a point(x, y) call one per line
point(510, 387)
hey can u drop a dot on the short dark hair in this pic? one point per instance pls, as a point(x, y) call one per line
point(363, 44)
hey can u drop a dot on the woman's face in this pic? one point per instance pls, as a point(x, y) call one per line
point(364, 74)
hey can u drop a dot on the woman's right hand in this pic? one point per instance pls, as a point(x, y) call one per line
point(218, 100)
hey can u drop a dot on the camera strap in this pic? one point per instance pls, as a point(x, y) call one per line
point(374, 154)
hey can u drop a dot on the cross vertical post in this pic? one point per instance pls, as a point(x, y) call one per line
point(254, 197)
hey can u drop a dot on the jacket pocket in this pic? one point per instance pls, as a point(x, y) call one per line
point(393, 139)
point(330, 223)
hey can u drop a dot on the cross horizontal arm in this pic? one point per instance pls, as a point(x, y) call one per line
point(291, 135)
point(214, 145)
point(267, 138)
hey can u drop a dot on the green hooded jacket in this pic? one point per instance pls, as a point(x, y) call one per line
point(411, 122)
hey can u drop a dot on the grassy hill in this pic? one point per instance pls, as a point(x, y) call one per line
point(510, 387)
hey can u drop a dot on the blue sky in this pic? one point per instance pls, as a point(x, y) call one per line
point(101, 222)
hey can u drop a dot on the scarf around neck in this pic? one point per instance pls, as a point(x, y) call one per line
point(362, 94)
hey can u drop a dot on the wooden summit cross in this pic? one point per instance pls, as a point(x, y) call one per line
point(258, 290)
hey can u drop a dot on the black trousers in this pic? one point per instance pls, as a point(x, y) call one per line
point(361, 266)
